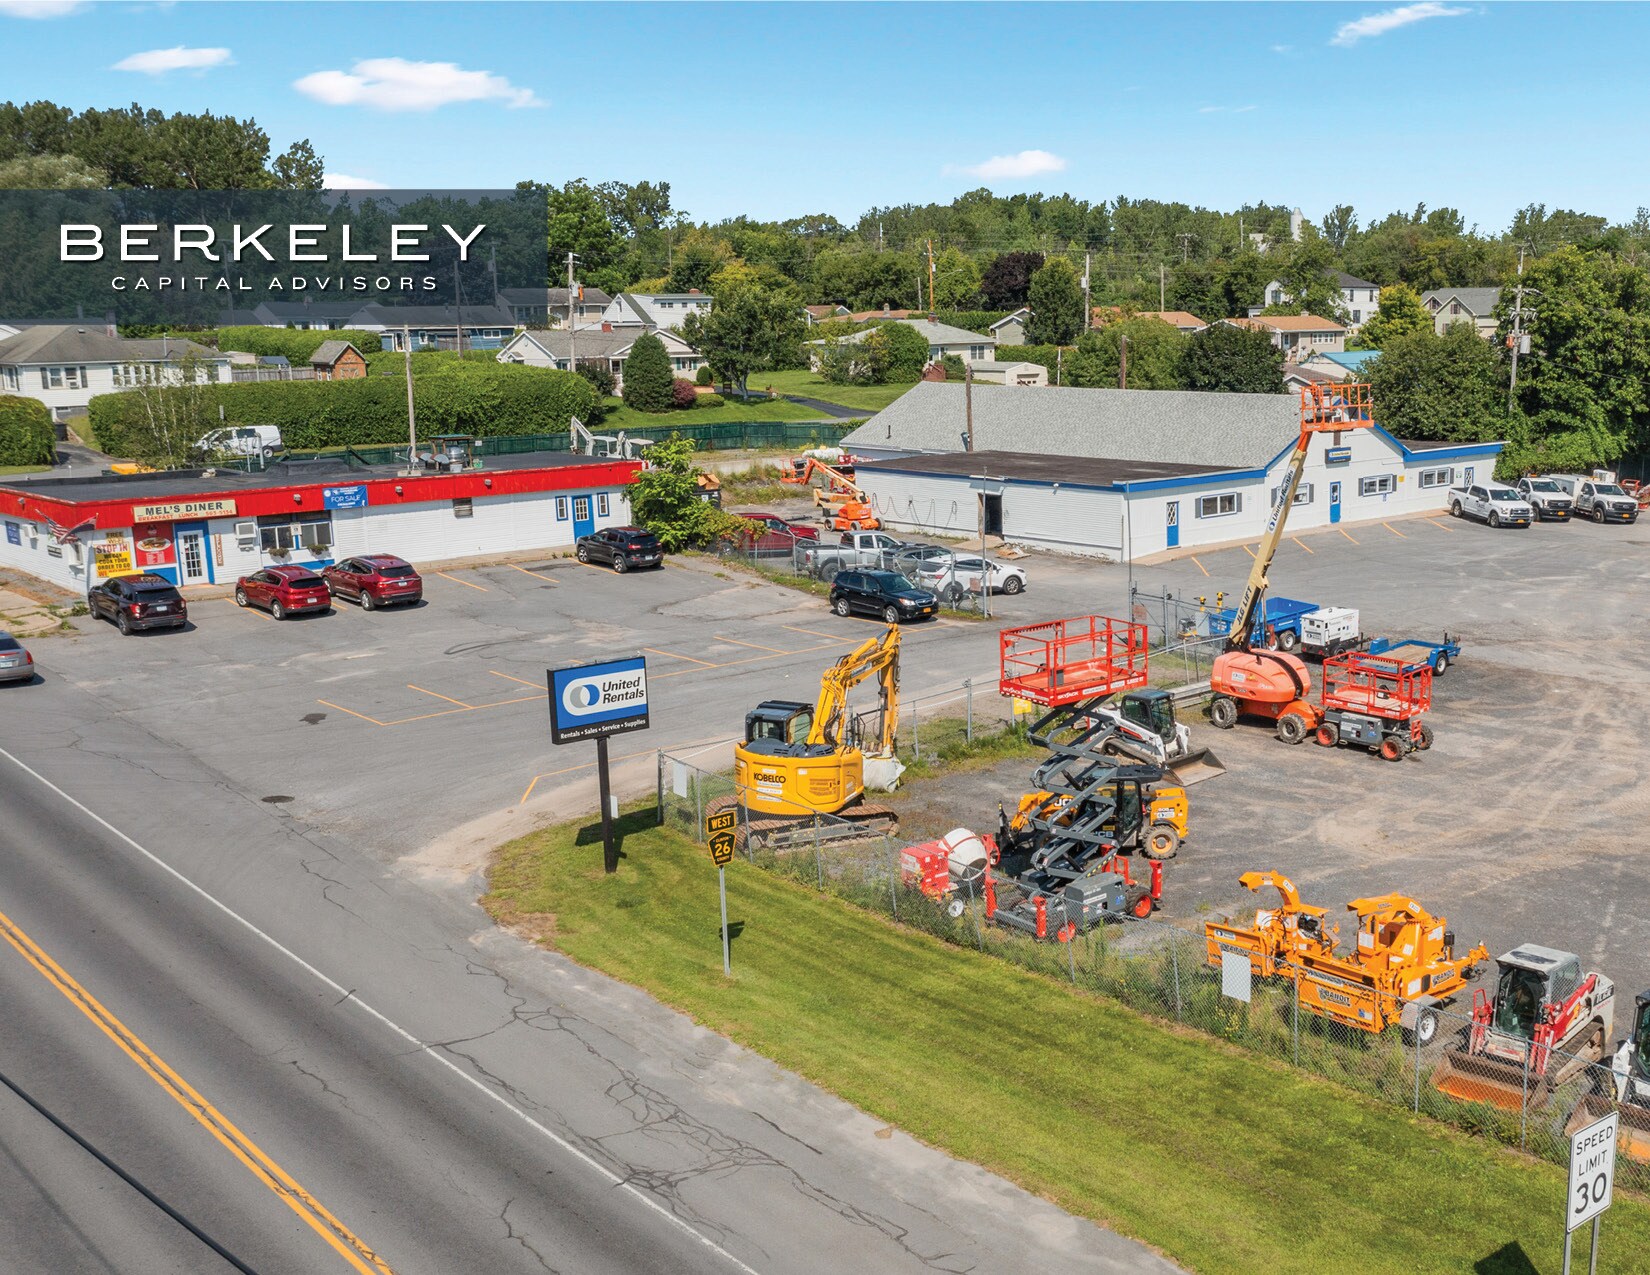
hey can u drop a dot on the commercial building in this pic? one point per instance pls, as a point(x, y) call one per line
point(1121, 474)
point(206, 527)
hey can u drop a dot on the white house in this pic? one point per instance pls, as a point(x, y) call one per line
point(1120, 474)
point(66, 365)
point(1011, 328)
point(1463, 305)
point(654, 311)
point(1359, 298)
point(943, 339)
point(556, 347)
point(1001, 372)
point(1297, 335)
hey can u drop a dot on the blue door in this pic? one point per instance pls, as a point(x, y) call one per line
point(583, 525)
point(1171, 522)
point(1334, 502)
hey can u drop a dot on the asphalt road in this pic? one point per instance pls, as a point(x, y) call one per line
point(321, 1065)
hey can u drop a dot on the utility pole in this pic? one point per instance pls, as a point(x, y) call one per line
point(1160, 287)
point(412, 420)
point(930, 280)
point(1518, 337)
point(572, 340)
point(1185, 238)
point(1123, 361)
point(979, 499)
point(1088, 312)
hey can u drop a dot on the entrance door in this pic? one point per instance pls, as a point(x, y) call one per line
point(1334, 502)
point(192, 557)
point(993, 515)
point(583, 525)
point(1171, 521)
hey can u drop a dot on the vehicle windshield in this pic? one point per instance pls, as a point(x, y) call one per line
point(887, 580)
point(1504, 493)
point(396, 573)
point(1541, 484)
point(307, 582)
point(156, 593)
point(1518, 998)
point(1608, 489)
point(1641, 1041)
point(10, 644)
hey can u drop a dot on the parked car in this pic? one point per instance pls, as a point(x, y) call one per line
point(1004, 577)
point(16, 664)
point(1547, 498)
point(242, 440)
point(1597, 499)
point(284, 591)
point(884, 593)
point(870, 549)
point(374, 580)
point(1498, 506)
point(621, 548)
point(137, 602)
point(774, 537)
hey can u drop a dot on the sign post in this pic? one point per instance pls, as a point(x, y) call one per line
point(1592, 1181)
point(722, 840)
point(593, 701)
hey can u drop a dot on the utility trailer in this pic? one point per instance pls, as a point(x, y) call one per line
point(1063, 909)
point(1277, 624)
point(1436, 655)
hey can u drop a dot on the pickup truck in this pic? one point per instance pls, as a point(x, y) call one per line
point(1498, 506)
point(1599, 500)
point(869, 549)
point(1547, 498)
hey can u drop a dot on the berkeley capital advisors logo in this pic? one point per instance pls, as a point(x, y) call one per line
point(148, 244)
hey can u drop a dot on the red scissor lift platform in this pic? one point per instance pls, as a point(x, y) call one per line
point(1376, 701)
point(1061, 662)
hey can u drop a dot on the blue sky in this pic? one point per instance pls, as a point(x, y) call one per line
point(785, 109)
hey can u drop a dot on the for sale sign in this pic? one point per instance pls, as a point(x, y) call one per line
point(1592, 1171)
point(605, 698)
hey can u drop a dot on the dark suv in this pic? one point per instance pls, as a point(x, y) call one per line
point(884, 593)
point(139, 602)
point(621, 548)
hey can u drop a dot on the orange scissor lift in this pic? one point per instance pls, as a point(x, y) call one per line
point(1376, 702)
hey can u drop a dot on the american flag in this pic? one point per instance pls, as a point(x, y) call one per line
point(62, 535)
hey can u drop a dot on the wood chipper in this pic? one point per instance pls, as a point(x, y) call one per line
point(1630, 1075)
point(1401, 969)
point(1546, 1022)
point(1376, 702)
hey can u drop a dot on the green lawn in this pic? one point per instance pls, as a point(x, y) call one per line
point(861, 398)
point(23, 469)
point(621, 417)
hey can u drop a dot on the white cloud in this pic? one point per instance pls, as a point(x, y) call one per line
point(395, 84)
point(1374, 24)
point(1282, 48)
point(160, 61)
point(343, 181)
point(40, 8)
point(1023, 164)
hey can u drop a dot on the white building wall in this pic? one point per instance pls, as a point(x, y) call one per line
point(1082, 520)
point(63, 565)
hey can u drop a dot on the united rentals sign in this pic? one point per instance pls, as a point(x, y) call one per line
point(174, 509)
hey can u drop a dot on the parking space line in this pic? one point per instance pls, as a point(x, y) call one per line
point(1200, 566)
point(1249, 551)
point(1297, 540)
point(1442, 526)
point(448, 698)
point(465, 583)
point(1346, 533)
point(351, 712)
point(672, 655)
point(1394, 531)
point(524, 571)
point(835, 637)
point(252, 611)
point(762, 659)
point(754, 645)
point(512, 677)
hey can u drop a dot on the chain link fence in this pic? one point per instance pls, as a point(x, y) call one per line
point(1530, 1099)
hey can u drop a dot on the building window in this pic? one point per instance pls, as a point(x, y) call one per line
point(1377, 485)
point(1455, 307)
point(976, 352)
point(51, 378)
point(463, 507)
point(561, 508)
point(601, 504)
point(1357, 316)
point(1303, 494)
point(285, 533)
point(1436, 477)
point(1219, 506)
point(10, 374)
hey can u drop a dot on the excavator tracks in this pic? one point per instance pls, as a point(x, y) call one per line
point(759, 831)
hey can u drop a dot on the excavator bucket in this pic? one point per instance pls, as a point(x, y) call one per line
point(1474, 1078)
point(1196, 766)
point(1633, 1131)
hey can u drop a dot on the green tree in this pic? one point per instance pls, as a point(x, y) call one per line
point(174, 410)
point(1155, 352)
point(752, 327)
point(1056, 298)
point(1237, 360)
point(579, 224)
point(956, 281)
point(1402, 313)
point(664, 498)
point(1448, 387)
point(50, 172)
point(1309, 286)
point(1006, 282)
point(899, 352)
point(647, 376)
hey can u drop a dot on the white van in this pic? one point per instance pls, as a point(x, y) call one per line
point(242, 440)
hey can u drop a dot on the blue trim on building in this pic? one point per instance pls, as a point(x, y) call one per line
point(1189, 480)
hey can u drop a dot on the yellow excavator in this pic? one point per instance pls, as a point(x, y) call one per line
point(799, 760)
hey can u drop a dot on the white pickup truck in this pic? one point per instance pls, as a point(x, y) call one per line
point(1547, 498)
point(1498, 506)
point(864, 549)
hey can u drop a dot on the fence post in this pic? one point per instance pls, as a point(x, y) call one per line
point(1071, 958)
point(1417, 1067)
point(661, 788)
point(819, 864)
point(893, 876)
point(1295, 1024)
point(698, 807)
point(916, 739)
point(1174, 959)
point(1524, 1097)
point(968, 732)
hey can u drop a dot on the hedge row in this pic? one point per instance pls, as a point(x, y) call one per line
point(971, 320)
point(26, 435)
point(454, 398)
point(296, 343)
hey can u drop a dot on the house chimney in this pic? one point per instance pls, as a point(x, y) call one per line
point(606, 326)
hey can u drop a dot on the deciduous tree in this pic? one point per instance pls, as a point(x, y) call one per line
point(752, 326)
point(1402, 313)
point(1236, 360)
point(1446, 387)
point(1056, 298)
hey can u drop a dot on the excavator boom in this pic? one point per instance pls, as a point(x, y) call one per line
point(875, 657)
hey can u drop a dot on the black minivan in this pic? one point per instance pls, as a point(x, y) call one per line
point(139, 602)
point(884, 593)
point(621, 548)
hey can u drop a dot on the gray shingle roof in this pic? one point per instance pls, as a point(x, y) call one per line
point(1237, 431)
point(328, 352)
point(593, 343)
point(432, 316)
point(936, 333)
point(77, 343)
point(1344, 280)
point(550, 296)
point(1477, 300)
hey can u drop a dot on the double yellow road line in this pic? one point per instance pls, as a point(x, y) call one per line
point(316, 1216)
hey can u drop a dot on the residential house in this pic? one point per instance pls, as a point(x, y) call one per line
point(310, 314)
point(547, 307)
point(868, 316)
point(1180, 320)
point(1298, 376)
point(653, 312)
point(1011, 328)
point(812, 314)
point(65, 365)
point(943, 339)
point(1297, 335)
point(997, 372)
point(435, 327)
point(596, 347)
point(1343, 365)
point(337, 361)
point(1359, 298)
point(1463, 305)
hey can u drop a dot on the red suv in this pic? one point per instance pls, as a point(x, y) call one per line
point(374, 580)
point(283, 591)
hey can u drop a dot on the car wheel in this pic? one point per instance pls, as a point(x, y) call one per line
point(620, 566)
point(240, 597)
point(124, 625)
point(830, 571)
point(1455, 509)
point(582, 554)
point(1223, 712)
point(277, 610)
point(1494, 519)
point(841, 607)
point(1598, 514)
point(1013, 585)
point(890, 615)
point(1328, 737)
point(367, 603)
point(1392, 748)
point(1288, 640)
point(1161, 842)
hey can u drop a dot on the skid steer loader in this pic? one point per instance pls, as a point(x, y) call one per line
point(1629, 1090)
point(1547, 1021)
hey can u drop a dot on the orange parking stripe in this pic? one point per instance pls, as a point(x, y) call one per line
point(524, 571)
point(1394, 531)
point(1249, 551)
point(514, 678)
point(1297, 540)
point(1200, 566)
point(351, 712)
point(674, 656)
point(465, 583)
point(1442, 526)
point(1346, 533)
point(448, 698)
point(754, 645)
point(835, 637)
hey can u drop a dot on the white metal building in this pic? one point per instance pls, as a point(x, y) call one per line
point(1124, 473)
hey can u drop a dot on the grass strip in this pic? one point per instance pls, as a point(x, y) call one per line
point(1225, 1161)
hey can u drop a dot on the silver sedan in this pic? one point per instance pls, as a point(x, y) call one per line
point(16, 664)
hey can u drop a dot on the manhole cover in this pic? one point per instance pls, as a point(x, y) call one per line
point(277, 800)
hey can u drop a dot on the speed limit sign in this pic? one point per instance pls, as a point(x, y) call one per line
point(1592, 1172)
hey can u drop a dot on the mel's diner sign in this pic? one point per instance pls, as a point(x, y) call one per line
point(182, 509)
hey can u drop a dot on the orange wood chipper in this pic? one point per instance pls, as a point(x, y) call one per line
point(1401, 968)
